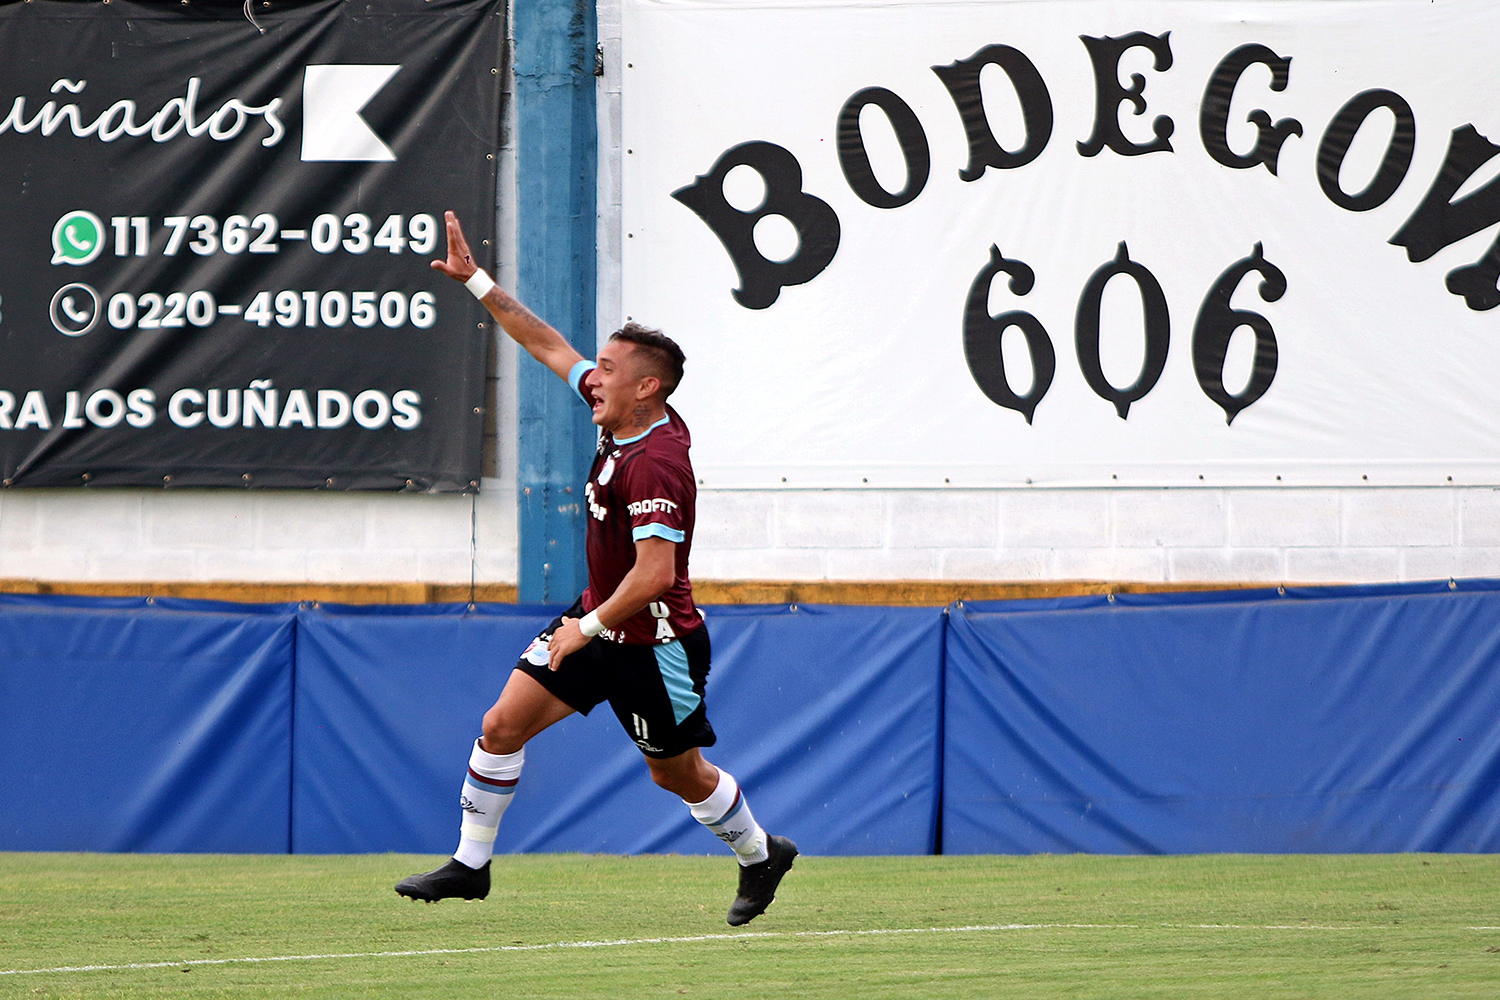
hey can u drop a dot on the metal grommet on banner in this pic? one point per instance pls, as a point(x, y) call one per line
point(87, 476)
point(1111, 597)
point(328, 482)
point(166, 479)
point(245, 476)
point(1452, 583)
point(1281, 591)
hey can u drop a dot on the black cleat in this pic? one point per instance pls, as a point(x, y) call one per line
point(455, 880)
point(758, 882)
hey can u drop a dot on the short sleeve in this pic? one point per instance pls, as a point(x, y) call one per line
point(580, 368)
point(655, 499)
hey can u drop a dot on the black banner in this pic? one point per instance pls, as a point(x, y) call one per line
point(214, 235)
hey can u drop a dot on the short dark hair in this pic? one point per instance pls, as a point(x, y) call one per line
point(660, 353)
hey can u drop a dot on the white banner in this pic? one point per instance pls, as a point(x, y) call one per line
point(1000, 243)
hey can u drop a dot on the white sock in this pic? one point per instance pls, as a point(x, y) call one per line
point(727, 814)
point(487, 791)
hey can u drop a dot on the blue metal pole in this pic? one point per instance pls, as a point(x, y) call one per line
point(557, 158)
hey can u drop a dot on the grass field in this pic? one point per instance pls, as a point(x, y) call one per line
point(626, 928)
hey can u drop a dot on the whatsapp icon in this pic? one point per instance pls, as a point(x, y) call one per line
point(77, 238)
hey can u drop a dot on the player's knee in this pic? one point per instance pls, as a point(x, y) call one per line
point(499, 734)
point(664, 777)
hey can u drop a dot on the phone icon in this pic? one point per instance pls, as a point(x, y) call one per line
point(77, 238)
point(74, 313)
point(75, 309)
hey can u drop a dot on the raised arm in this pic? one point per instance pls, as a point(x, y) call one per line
point(540, 340)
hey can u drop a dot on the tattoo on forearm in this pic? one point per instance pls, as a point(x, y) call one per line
point(511, 306)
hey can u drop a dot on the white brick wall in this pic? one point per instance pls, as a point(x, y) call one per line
point(1271, 535)
point(1311, 535)
point(254, 536)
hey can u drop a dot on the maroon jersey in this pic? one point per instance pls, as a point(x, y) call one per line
point(640, 487)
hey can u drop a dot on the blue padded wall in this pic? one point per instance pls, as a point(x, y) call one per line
point(128, 726)
point(827, 716)
point(389, 701)
point(1317, 721)
point(1305, 720)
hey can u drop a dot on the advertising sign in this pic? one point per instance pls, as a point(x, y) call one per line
point(214, 235)
point(936, 243)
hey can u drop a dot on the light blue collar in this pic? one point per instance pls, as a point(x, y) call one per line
point(648, 430)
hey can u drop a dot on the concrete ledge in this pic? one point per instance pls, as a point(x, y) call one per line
point(259, 593)
point(919, 593)
point(926, 593)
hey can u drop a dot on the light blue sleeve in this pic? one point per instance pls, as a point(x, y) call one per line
point(580, 368)
point(656, 531)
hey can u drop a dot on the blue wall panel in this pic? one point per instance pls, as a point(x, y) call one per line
point(827, 716)
point(388, 704)
point(1260, 723)
point(1348, 719)
point(127, 727)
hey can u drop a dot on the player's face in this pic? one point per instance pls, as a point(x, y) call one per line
point(617, 385)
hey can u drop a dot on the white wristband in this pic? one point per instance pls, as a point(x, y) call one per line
point(590, 625)
point(479, 283)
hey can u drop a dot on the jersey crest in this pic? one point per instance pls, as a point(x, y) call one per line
point(607, 471)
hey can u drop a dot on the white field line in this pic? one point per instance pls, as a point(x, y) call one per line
point(748, 936)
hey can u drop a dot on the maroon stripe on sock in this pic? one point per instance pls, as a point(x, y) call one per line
point(492, 781)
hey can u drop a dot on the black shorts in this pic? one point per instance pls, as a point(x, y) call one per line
point(656, 691)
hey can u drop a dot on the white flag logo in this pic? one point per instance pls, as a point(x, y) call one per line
point(332, 98)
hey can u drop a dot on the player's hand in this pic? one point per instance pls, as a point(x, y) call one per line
point(568, 639)
point(460, 264)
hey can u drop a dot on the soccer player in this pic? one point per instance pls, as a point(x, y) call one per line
point(635, 638)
